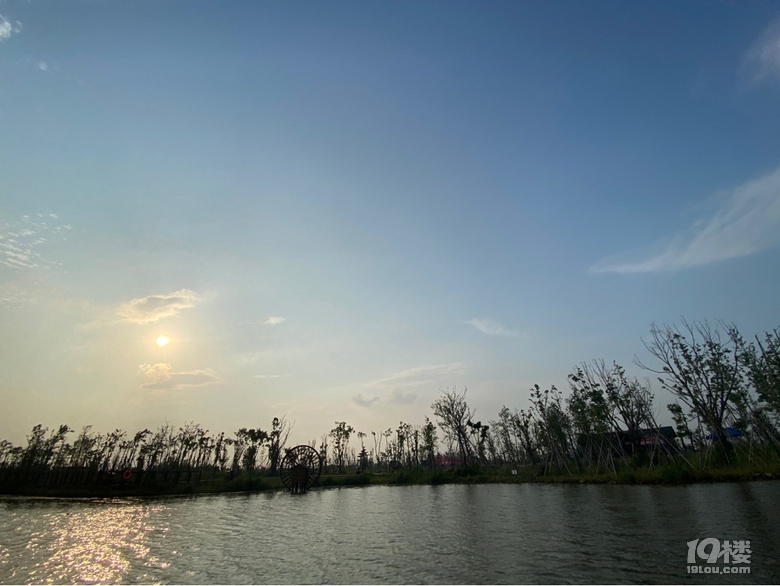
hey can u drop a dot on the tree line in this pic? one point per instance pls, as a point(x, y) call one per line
point(726, 399)
point(168, 456)
point(727, 402)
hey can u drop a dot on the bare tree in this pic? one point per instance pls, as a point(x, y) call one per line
point(280, 430)
point(429, 441)
point(763, 363)
point(604, 399)
point(554, 428)
point(454, 415)
point(701, 365)
point(340, 435)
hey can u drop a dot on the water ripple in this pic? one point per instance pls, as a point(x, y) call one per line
point(418, 534)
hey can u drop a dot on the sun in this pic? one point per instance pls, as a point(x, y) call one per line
point(162, 341)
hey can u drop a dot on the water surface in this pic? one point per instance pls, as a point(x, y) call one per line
point(416, 534)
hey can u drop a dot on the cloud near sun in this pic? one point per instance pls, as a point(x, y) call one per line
point(153, 308)
point(160, 378)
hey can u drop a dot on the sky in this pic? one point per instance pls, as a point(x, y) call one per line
point(336, 211)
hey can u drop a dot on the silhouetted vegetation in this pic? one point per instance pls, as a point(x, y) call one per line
point(604, 429)
point(147, 462)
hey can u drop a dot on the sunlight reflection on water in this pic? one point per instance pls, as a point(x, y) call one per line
point(85, 542)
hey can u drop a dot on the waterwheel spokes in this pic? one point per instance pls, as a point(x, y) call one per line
point(300, 468)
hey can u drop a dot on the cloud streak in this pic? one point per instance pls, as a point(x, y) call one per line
point(389, 388)
point(419, 375)
point(160, 378)
point(762, 60)
point(400, 398)
point(21, 241)
point(271, 320)
point(153, 308)
point(361, 401)
point(491, 328)
point(17, 295)
point(747, 221)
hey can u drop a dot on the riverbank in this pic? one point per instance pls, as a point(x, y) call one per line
point(670, 473)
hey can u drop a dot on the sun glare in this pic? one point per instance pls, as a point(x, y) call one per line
point(163, 340)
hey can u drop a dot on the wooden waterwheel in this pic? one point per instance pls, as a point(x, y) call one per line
point(300, 468)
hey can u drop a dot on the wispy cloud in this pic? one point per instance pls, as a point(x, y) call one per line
point(271, 320)
point(395, 397)
point(156, 307)
point(159, 377)
point(361, 401)
point(491, 328)
point(7, 28)
point(400, 398)
point(762, 60)
point(746, 221)
point(17, 295)
point(388, 390)
point(419, 375)
point(22, 240)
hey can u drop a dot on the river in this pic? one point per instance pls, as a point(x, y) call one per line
point(455, 534)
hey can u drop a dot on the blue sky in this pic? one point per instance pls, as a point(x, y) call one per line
point(336, 210)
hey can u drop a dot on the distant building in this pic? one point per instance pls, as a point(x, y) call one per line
point(624, 442)
point(448, 461)
point(731, 432)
